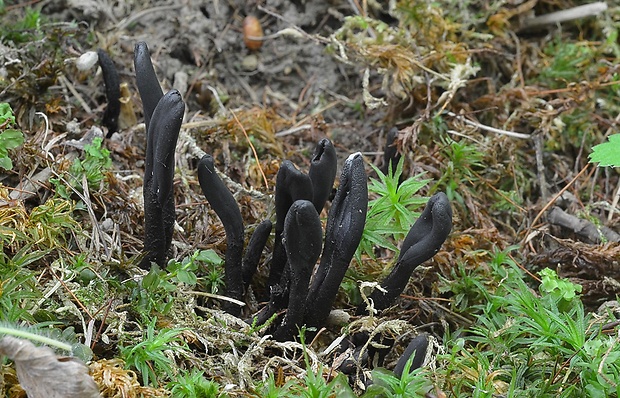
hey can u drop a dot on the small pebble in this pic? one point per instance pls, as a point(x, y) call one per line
point(250, 63)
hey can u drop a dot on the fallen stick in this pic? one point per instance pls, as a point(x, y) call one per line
point(570, 14)
point(581, 227)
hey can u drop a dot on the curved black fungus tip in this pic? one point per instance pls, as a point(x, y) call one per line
point(148, 85)
point(302, 239)
point(112, 83)
point(226, 208)
point(322, 173)
point(417, 347)
point(159, 212)
point(423, 241)
point(291, 185)
point(345, 224)
point(391, 157)
point(254, 250)
point(162, 138)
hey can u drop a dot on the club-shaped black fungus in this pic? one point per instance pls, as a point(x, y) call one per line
point(390, 153)
point(291, 185)
point(322, 173)
point(421, 243)
point(226, 208)
point(112, 83)
point(254, 250)
point(419, 346)
point(302, 238)
point(148, 85)
point(159, 212)
point(345, 224)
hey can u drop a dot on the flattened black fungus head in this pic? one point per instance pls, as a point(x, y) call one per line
point(417, 347)
point(291, 185)
point(223, 203)
point(322, 173)
point(148, 85)
point(302, 234)
point(112, 83)
point(159, 210)
point(345, 225)
point(423, 241)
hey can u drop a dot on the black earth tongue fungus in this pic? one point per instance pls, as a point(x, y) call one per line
point(390, 152)
point(159, 212)
point(254, 250)
point(322, 173)
point(421, 243)
point(417, 347)
point(345, 224)
point(148, 85)
point(227, 209)
point(112, 83)
point(291, 185)
point(302, 239)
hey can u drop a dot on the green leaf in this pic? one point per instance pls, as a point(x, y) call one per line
point(6, 163)
point(607, 153)
point(209, 257)
point(186, 277)
point(6, 113)
point(11, 138)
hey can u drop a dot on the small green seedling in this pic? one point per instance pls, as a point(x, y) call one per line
point(10, 137)
point(607, 153)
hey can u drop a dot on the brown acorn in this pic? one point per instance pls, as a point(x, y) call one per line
point(252, 33)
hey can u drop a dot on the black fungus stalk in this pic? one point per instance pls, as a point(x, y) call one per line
point(148, 85)
point(322, 173)
point(159, 211)
point(226, 208)
point(345, 224)
point(291, 185)
point(421, 243)
point(418, 348)
point(254, 250)
point(112, 83)
point(391, 157)
point(302, 239)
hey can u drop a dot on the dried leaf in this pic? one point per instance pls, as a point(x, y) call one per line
point(43, 374)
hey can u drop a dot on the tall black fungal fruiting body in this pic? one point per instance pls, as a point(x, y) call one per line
point(254, 250)
point(322, 173)
point(421, 243)
point(148, 85)
point(226, 208)
point(159, 212)
point(291, 185)
point(112, 83)
point(417, 347)
point(391, 157)
point(302, 238)
point(345, 224)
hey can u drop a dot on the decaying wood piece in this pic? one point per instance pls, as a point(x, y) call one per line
point(43, 374)
point(581, 227)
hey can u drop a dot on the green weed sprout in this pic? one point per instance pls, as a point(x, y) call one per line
point(10, 137)
point(148, 357)
point(560, 289)
point(193, 384)
point(607, 153)
point(391, 215)
point(411, 384)
point(94, 166)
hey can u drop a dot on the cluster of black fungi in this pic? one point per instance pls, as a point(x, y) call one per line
point(306, 291)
